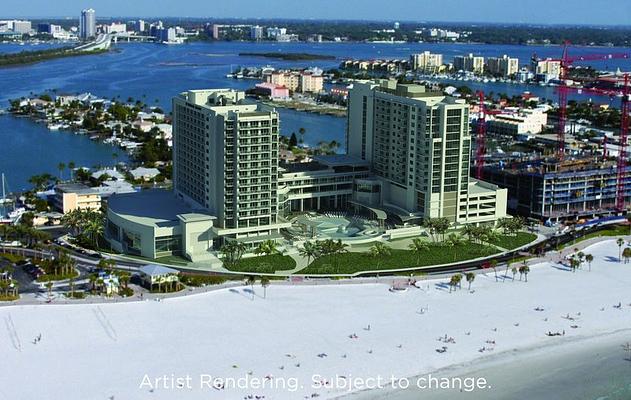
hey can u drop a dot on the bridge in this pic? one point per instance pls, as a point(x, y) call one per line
point(126, 37)
point(102, 42)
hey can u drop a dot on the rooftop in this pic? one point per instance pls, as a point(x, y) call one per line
point(339, 160)
point(149, 207)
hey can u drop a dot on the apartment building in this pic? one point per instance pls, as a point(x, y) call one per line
point(517, 122)
point(567, 190)
point(87, 24)
point(418, 145)
point(546, 69)
point(426, 62)
point(469, 63)
point(76, 196)
point(306, 81)
point(504, 66)
point(226, 159)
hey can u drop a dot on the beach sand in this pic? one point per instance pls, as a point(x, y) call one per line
point(580, 369)
point(314, 334)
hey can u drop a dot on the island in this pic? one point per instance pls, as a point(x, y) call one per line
point(30, 57)
point(291, 56)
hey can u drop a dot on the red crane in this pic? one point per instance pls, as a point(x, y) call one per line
point(480, 145)
point(481, 138)
point(622, 155)
point(565, 62)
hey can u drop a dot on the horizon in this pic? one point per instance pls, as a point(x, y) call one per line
point(533, 12)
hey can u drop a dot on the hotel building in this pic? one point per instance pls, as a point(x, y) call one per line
point(408, 159)
point(419, 148)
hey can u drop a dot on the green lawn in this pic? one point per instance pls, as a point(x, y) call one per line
point(611, 231)
point(510, 242)
point(264, 264)
point(350, 263)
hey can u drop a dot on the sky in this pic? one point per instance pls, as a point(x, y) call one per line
point(580, 12)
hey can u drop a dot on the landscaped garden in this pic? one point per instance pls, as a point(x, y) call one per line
point(513, 241)
point(266, 264)
point(384, 259)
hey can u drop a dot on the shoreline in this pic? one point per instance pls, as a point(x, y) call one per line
point(505, 363)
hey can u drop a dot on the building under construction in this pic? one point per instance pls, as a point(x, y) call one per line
point(568, 190)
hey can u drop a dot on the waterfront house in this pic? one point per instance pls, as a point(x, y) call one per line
point(111, 173)
point(144, 174)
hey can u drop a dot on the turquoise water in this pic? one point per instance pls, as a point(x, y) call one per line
point(155, 73)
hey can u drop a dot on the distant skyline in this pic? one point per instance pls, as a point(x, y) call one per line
point(579, 12)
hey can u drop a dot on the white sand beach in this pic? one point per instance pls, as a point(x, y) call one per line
point(303, 337)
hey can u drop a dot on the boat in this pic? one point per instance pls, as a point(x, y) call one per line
point(15, 214)
point(4, 199)
point(54, 127)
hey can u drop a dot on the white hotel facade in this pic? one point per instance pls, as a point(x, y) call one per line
point(408, 159)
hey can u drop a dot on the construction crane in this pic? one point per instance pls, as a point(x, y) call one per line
point(481, 137)
point(565, 62)
point(480, 141)
point(622, 154)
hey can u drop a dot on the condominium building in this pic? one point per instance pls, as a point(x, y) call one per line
point(115, 27)
point(139, 26)
point(76, 196)
point(504, 66)
point(426, 61)
point(225, 181)
point(418, 145)
point(311, 82)
point(546, 69)
point(517, 122)
point(256, 33)
point(469, 63)
point(87, 24)
point(554, 191)
point(226, 159)
point(288, 79)
point(297, 81)
point(21, 26)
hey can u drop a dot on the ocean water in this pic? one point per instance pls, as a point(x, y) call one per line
point(590, 369)
point(155, 73)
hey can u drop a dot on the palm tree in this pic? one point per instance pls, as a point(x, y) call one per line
point(49, 286)
point(470, 278)
point(493, 264)
point(61, 166)
point(574, 263)
point(469, 231)
point(250, 280)
point(71, 167)
point(418, 246)
point(267, 247)
point(264, 284)
point(514, 272)
point(92, 278)
point(506, 272)
point(71, 284)
point(626, 253)
point(232, 253)
point(380, 250)
point(589, 258)
point(454, 241)
point(454, 281)
point(581, 258)
point(525, 269)
point(309, 250)
point(620, 243)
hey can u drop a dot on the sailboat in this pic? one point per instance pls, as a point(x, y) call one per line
point(15, 214)
point(4, 199)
